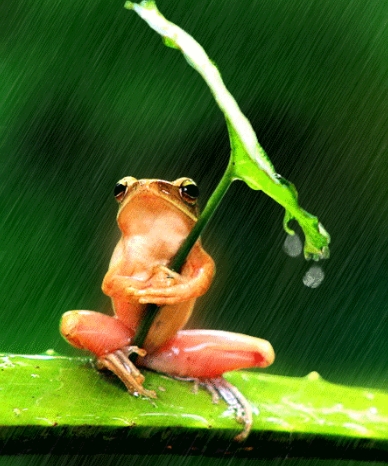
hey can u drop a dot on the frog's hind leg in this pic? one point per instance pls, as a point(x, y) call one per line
point(209, 353)
point(109, 339)
point(204, 355)
point(95, 332)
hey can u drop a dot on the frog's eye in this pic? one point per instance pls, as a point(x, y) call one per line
point(189, 191)
point(119, 191)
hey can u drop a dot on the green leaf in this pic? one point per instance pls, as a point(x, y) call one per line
point(248, 161)
point(250, 168)
point(54, 402)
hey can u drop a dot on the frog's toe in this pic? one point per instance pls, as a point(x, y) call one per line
point(218, 388)
point(118, 363)
point(234, 399)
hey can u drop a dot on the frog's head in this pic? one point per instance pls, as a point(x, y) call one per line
point(157, 197)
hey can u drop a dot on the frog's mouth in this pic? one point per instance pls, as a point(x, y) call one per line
point(157, 196)
point(147, 213)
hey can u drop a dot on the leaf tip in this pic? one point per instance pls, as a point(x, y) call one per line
point(128, 5)
point(286, 220)
point(314, 376)
point(149, 4)
point(312, 252)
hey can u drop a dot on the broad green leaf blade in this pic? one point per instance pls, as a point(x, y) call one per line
point(249, 162)
point(53, 402)
point(245, 167)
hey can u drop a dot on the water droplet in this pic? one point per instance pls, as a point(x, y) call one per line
point(293, 246)
point(369, 395)
point(314, 375)
point(314, 277)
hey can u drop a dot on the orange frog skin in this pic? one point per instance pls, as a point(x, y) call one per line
point(155, 217)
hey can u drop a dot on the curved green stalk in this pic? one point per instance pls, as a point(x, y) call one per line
point(180, 258)
point(211, 206)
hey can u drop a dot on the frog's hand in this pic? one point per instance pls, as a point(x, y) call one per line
point(209, 353)
point(168, 288)
point(95, 332)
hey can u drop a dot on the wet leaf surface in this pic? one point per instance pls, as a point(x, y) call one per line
point(55, 402)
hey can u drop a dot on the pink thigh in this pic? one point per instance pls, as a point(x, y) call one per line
point(95, 332)
point(209, 353)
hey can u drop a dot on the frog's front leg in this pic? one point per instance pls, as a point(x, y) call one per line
point(166, 287)
point(204, 355)
point(109, 339)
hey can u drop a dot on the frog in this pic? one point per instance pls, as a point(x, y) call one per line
point(154, 218)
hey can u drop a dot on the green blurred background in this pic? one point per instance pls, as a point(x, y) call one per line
point(89, 94)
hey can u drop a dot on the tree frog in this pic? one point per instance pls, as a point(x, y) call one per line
point(155, 217)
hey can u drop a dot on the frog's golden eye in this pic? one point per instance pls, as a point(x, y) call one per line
point(189, 191)
point(119, 191)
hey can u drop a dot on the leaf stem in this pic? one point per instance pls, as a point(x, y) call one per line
point(203, 219)
point(180, 258)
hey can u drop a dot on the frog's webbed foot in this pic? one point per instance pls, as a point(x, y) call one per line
point(118, 363)
point(220, 388)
